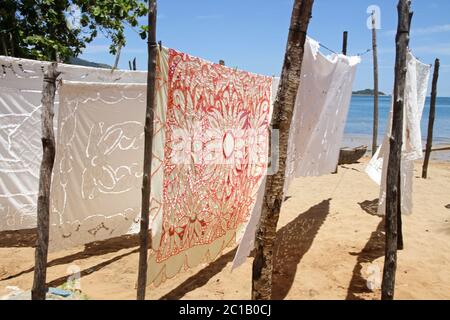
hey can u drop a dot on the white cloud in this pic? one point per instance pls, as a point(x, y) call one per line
point(443, 50)
point(432, 29)
point(136, 50)
point(423, 31)
point(96, 48)
point(209, 17)
point(103, 48)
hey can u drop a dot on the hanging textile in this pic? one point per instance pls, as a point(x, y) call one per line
point(417, 77)
point(20, 143)
point(317, 126)
point(215, 156)
point(97, 177)
point(320, 113)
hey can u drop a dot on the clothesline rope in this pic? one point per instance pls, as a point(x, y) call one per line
point(332, 51)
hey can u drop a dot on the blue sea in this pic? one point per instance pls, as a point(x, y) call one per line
point(358, 130)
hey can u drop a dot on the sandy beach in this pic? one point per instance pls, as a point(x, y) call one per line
point(329, 244)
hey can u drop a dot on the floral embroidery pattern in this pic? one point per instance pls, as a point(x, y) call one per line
point(209, 188)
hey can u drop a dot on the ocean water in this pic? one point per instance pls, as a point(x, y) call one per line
point(358, 129)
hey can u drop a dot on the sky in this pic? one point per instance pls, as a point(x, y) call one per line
point(251, 35)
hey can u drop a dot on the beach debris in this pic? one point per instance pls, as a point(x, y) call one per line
point(12, 292)
point(448, 206)
point(374, 278)
point(15, 293)
point(59, 292)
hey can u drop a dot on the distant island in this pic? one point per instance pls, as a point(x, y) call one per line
point(85, 63)
point(367, 92)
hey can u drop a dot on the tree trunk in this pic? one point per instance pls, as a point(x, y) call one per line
point(39, 290)
point(148, 131)
point(116, 61)
point(281, 120)
point(431, 119)
point(394, 163)
point(375, 85)
point(4, 45)
point(344, 43)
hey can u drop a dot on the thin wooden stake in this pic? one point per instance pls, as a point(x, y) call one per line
point(116, 61)
point(344, 52)
point(394, 163)
point(344, 43)
point(39, 289)
point(281, 120)
point(375, 85)
point(4, 45)
point(431, 119)
point(146, 180)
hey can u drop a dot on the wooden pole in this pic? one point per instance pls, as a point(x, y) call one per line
point(39, 289)
point(132, 65)
point(116, 61)
point(4, 45)
point(281, 120)
point(375, 85)
point(146, 183)
point(344, 52)
point(394, 163)
point(344, 43)
point(431, 119)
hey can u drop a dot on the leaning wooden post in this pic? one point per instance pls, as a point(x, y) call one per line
point(344, 52)
point(344, 43)
point(39, 289)
point(4, 45)
point(281, 120)
point(375, 85)
point(148, 130)
point(431, 119)
point(116, 61)
point(394, 163)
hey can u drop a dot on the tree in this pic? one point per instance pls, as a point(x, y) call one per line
point(282, 116)
point(60, 29)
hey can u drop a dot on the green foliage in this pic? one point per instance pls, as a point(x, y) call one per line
point(43, 29)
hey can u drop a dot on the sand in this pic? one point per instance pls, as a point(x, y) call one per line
point(329, 244)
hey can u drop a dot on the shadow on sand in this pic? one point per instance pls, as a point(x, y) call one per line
point(200, 278)
point(370, 206)
point(373, 250)
point(293, 242)
point(93, 249)
point(18, 238)
point(97, 267)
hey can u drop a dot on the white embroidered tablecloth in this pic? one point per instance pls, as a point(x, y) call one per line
point(417, 78)
point(20, 143)
point(317, 126)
